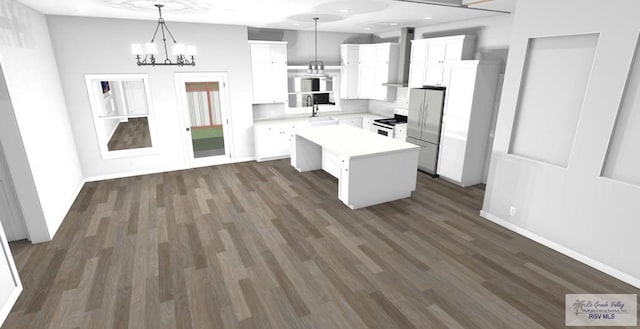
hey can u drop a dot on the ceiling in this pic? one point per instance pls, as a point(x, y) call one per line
point(355, 16)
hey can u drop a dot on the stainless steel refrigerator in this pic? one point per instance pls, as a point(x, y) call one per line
point(424, 124)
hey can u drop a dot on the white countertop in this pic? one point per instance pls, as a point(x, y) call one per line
point(351, 141)
point(306, 117)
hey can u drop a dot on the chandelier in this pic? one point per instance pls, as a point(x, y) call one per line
point(184, 54)
point(316, 67)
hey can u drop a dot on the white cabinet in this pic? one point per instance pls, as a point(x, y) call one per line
point(367, 124)
point(355, 122)
point(469, 101)
point(272, 139)
point(269, 71)
point(350, 61)
point(375, 66)
point(400, 132)
point(429, 56)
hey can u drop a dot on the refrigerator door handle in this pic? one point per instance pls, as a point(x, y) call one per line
point(421, 117)
point(424, 115)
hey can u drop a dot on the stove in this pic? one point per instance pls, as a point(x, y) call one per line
point(387, 126)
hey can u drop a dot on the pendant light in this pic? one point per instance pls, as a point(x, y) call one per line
point(316, 67)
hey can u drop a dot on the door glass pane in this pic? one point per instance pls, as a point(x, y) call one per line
point(205, 117)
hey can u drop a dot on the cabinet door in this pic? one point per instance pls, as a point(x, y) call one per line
point(366, 77)
point(383, 52)
point(416, 74)
point(278, 83)
point(285, 139)
point(366, 124)
point(349, 55)
point(354, 122)
point(349, 82)
point(418, 52)
point(380, 92)
point(268, 141)
point(453, 50)
point(452, 152)
point(261, 53)
point(367, 54)
point(279, 53)
point(460, 91)
point(261, 76)
point(435, 51)
point(400, 132)
point(433, 74)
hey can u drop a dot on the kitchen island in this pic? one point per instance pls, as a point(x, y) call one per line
point(370, 168)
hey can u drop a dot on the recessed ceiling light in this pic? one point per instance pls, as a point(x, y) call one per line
point(344, 10)
point(367, 28)
point(393, 24)
point(428, 17)
point(296, 24)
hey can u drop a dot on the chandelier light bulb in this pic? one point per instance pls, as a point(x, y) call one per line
point(179, 49)
point(191, 50)
point(136, 49)
point(150, 48)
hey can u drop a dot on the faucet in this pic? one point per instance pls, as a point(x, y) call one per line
point(314, 105)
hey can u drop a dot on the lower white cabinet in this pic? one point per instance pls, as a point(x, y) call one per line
point(356, 122)
point(272, 140)
point(400, 132)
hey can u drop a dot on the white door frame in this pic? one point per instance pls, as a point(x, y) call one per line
point(181, 78)
point(6, 261)
point(15, 226)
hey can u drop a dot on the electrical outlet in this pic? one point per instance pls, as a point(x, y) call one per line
point(512, 211)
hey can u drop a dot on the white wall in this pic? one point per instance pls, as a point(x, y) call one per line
point(301, 44)
point(96, 45)
point(591, 218)
point(46, 161)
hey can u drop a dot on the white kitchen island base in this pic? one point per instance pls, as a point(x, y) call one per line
point(370, 168)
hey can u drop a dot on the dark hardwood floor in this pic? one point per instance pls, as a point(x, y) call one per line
point(258, 245)
point(132, 134)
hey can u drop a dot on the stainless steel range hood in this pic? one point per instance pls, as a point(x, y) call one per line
point(406, 35)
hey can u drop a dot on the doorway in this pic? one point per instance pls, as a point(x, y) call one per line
point(10, 212)
point(203, 100)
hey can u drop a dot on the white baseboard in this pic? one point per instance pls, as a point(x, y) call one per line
point(131, 174)
point(564, 250)
point(159, 170)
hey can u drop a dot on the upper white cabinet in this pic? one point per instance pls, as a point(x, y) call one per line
point(350, 61)
point(269, 71)
point(365, 68)
point(429, 56)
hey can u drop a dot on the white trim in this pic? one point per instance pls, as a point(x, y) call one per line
point(158, 171)
point(222, 78)
point(94, 100)
point(268, 42)
point(563, 250)
point(5, 254)
point(6, 308)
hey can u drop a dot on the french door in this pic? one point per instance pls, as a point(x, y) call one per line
point(204, 110)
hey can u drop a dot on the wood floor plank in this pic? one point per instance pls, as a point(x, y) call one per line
point(260, 245)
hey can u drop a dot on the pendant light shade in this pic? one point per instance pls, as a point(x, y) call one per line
point(316, 67)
